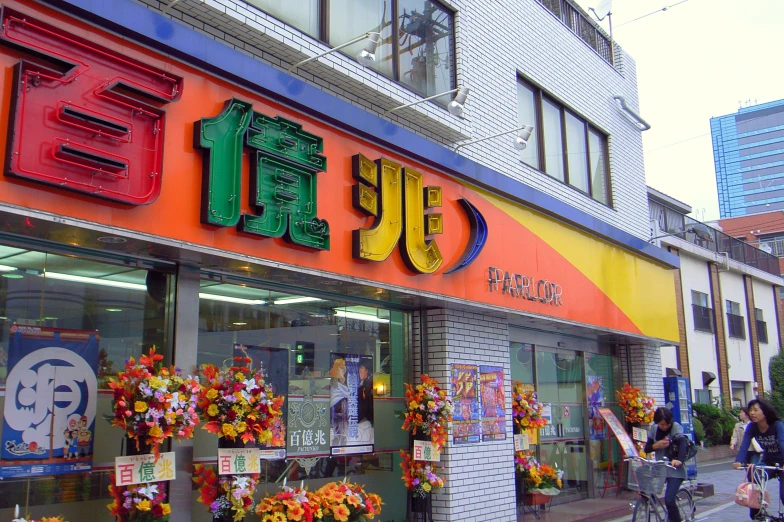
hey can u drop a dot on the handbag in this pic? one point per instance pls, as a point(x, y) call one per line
point(749, 494)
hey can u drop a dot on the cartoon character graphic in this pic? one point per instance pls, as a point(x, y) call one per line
point(71, 434)
point(83, 439)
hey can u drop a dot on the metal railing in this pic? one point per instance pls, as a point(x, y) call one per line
point(703, 318)
point(776, 246)
point(762, 332)
point(581, 24)
point(738, 250)
point(735, 326)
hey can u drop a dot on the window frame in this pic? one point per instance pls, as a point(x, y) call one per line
point(736, 323)
point(323, 37)
point(540, 96)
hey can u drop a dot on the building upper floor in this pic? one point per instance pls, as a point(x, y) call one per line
point(539, 63)
point(748, 154)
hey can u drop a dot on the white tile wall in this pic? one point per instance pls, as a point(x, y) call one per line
point(495, 41)
point(644, 363)
point(479, 477)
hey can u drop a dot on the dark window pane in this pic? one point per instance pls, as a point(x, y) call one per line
point(425, 39)
point(553, 140)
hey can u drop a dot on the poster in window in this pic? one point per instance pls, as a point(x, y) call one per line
point(351, 403)
point(594, 388)
point(274, 363)
point(467, 409)
point(307, 429)
point(50, 402)
point(491, 379)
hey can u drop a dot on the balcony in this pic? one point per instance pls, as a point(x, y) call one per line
point(581, 24)
point(736, 249)
point(735, 327)
point(703, 318)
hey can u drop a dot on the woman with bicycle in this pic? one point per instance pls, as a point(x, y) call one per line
point(766, 428)
point(662, 439)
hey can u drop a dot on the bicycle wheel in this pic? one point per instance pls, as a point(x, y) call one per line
point(685, 505)
point(641, 512)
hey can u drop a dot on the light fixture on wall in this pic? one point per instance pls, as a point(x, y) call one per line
point(455, 107)
point(360, 316)
point(366, 57)
point(520, 142)
point(631, 115)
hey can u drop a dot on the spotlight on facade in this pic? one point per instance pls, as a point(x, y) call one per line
point(366, 57)
point(520, 142)
point(455, 107)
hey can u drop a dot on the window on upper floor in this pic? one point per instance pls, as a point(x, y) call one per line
point(563, 144)
point(762, 326)
point(776, 244)
point(735, 324)
point(703, 314)
point(417, 36)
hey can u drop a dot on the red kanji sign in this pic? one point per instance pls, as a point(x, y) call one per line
point(84, 117)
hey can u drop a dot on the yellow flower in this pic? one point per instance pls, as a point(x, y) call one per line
point(156, 431)
point(268, 518)
point(166, 509)
point(279, 517)
point(413, 405)
point(212, 394)
point(212, 410)
point(240, 376)
point(228, 430)
point(241, 427)
point(144, 505)
point(156, 382)
point(140, 406)
point(426, 487)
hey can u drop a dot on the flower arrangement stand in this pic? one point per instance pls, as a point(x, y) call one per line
point(420, 509)
point(524, 500)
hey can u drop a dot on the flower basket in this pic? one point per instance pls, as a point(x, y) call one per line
point(526, 409)
point(637, 407)
point(153, 403)
point(420, 477)
point(227, 497)
point(535, 498)
point(139, 502)
point(428, 411)
point(334, 502)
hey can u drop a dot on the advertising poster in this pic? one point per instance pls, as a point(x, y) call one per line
point(465, 398)
point(50, 401)
point(351, 403)
point(626, 443)
point(491, 380)
point(307, 432)
point(595, 392)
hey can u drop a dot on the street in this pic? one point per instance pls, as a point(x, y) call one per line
point(721, 507)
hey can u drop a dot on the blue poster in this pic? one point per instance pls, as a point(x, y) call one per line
point(351, 404)
point(50, 400)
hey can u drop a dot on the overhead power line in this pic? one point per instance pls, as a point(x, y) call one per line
point(663, 9)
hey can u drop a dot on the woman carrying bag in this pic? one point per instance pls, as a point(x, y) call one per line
point(662, 439)
point(768, 431)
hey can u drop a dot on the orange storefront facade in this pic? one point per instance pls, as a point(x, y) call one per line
point(162, 205)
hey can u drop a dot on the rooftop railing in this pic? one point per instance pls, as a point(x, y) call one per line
point(581, 24)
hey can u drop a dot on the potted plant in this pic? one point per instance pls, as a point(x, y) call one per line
point(541, 481)
point(152, 403)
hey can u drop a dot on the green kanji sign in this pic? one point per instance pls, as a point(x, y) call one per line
point(284, 163)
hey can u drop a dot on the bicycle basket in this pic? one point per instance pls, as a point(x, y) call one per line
point(651, 478)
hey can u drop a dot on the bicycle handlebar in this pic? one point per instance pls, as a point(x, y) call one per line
point(649, 461)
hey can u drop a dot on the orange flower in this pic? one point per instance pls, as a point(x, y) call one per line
point(341, 513)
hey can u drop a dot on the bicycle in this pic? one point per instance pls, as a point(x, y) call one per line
point(651, 477)
point(761, 478)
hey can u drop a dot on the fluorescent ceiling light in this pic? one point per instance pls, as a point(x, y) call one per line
point(13, 276)
point(6, 268)
point(292, 300)
point(228, 299)
point(361, 317)
point(95, 281)
point(114, 309)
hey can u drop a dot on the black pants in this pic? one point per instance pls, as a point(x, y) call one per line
point(673, 485)
point(771, 475)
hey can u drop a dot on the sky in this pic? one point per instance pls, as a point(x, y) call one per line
point(697, 60)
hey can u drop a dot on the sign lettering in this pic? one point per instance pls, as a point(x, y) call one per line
point(425, 450)
point(139, 469)
point(238, 461)
point(84, 117)
point(525, 287)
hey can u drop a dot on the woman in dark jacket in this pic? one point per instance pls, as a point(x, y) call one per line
point(768, 431)
point(663, 439)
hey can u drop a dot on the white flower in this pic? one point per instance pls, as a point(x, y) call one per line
point(149, 491)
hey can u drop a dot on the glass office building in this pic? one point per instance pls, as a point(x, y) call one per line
point(748, 152)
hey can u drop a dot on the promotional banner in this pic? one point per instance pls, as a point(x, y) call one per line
point(351, 403)
point(467, 410)
point(274, 363)
point(594, 389)
point(308, 419)
point(50, 400)
point(491, 379)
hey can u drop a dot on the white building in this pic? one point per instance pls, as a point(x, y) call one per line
point(728, 306)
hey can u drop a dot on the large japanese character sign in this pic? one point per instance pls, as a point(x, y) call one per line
point(284, 162)
point(50, 402)
point(84, 117)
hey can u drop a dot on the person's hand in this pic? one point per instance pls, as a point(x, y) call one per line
point(661, 444)
point(732, 446)
point(677, 463)
point(737, 465)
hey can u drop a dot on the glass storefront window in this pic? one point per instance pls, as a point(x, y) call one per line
point(128, 307)
point(522, 362)
point(350, 18)
point(294, 335)
point(302, 14)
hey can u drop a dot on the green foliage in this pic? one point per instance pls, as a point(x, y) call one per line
point(717, 423)
point(776, 394)
point(699, 431)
